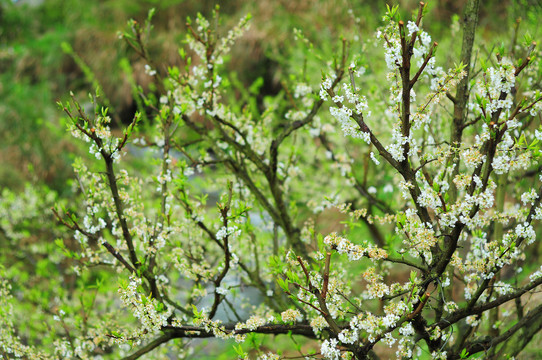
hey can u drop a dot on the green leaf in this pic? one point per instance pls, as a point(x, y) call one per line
point(283, 283)
point(239, 351)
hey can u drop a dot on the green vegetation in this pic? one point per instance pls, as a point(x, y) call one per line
point(269, 187)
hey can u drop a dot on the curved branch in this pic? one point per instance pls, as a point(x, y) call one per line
point(164, 338)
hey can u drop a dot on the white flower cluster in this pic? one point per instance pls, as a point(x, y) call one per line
point(376, 325)
point(329, 349)
point(535, 109)
point(354, 252)
point(396, 148)
point(218, 329)
point(429, 198)
point(110, 147)
point(497, 104)
point(529, 197)
point(461, 209)
point(348, 336)
point(359, 102)
point(93, 229)
point(301, 90)
point(376, 288)
point(324, 87)
point(344, 114)
point(202, 87)
point(526, 231)
point(233, 34)
point(472, 157)
point(439, 355)
point(406, 329)
point(144, 308)
point(420, 237)
point(404, 350)
point(10, 344)
point(393, 54)
point(291, 315)
point(388, 339)
point(375, 160)
point(222, 290)
point(149, 71)
point(101, 130)
point(472, 320)
point(502, 161)
point(269, 356)
point(450, 307)
point(18, 208)
point(503, 288)
point(422, 49)
point(358, 71)
point(412, 28)
point(486, 256)
point(536, 275)
point(318, 323)
point(348, 126)
point(252, 323)
point(230, 230)
point(538, 213)
point(405, 187)
point(499, 80)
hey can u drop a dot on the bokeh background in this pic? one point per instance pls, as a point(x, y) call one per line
point(51, 47)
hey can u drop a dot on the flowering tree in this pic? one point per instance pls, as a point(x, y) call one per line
point(225, 233)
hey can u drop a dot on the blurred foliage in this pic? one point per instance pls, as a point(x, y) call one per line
point(35, 71)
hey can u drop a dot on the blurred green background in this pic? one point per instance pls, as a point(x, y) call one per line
point(51, 47)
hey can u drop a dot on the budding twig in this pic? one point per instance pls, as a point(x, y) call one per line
point(326, 275)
